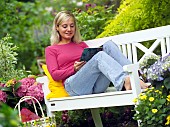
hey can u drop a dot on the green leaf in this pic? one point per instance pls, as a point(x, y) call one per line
point(17, 85)
point(167, 83)
point(7, 89)
point(149, 122)
point(162, 101)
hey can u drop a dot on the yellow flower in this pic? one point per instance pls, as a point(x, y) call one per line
point(143, 97)
point(168, 98)
point(151, 99)
point(149, 91)
point(156, 91)
point(160, 92)
point(85, 1)
point(168, 120)
point(152, 88)
point(146, 89)
point(154, 110)
point(162, 86)
point(11, 82)
point(135, 100)
point(141, 94)
point(32, 76)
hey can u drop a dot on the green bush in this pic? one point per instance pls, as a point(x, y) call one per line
point(136, 15)
point(8, 116)
point(93, 21)
point(8, 61)
point(28, 25)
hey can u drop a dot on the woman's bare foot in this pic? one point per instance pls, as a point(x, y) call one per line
point(127, 84)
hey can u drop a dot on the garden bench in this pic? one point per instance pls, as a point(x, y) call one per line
point(130, 44)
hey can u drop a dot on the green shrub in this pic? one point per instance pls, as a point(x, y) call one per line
point(8, 61)
point(93, 21)
point(8, 116)
point(136, 15)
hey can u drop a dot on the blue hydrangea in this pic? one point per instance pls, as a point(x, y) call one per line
point(157, 70)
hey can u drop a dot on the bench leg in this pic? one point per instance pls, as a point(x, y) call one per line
point(49, 113)
point(96, 117)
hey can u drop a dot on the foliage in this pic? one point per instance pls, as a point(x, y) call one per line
point(136, 15)
point(111, 117)
point(92, 21)
point(8, 60)
point(8, 116)
point(27, 24)
point(153, 108)
point(153, 105)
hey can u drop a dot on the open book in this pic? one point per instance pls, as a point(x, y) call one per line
point(88, 53)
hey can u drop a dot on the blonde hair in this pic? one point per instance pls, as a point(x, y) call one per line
point(59, 18)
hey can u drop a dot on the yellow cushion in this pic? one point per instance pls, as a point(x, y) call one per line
point(56, 87)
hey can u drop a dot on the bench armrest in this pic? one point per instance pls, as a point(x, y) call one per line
point(132, 69)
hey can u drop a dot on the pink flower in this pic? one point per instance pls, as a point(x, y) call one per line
point(36, 91)
point(30, 87)
point(90, 5)
point(2, 84)
point(26, 83)
point(3, 96)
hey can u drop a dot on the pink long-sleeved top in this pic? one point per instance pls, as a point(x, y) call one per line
point(60, 59)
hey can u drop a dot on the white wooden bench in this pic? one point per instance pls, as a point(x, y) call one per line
point(129, 43)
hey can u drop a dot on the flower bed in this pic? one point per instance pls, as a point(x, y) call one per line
point(13, 90)
point(153, 105)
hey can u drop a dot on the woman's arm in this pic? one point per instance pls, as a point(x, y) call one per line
point(53, 67)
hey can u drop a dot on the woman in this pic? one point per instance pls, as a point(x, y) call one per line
point(80, 77)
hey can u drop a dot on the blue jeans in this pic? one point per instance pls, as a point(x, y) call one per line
point(95, 76)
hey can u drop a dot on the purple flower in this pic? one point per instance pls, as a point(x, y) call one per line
point(158, 69)
point(87, 6)
point(3, 96)
point(90, 5)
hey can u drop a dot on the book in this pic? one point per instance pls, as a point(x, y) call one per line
point(88, 53)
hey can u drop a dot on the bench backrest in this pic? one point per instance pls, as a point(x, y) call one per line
point(130, 43)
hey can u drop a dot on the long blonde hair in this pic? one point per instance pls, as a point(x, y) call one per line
point(59, 18)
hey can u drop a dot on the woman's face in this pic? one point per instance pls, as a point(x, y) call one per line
point(67, 29)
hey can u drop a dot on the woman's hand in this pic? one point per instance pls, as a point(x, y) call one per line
point(78, 65)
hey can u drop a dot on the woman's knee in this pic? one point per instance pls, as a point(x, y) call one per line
point(100, 54)
point(110, 44)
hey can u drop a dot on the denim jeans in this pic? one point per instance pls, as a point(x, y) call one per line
point(95, 76)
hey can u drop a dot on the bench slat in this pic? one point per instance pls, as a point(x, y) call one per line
point(92, 102)
point(168, 43)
